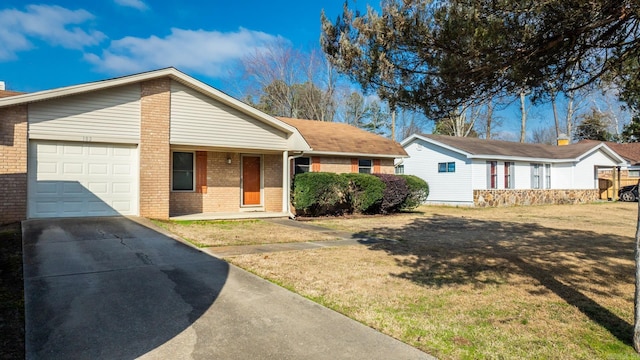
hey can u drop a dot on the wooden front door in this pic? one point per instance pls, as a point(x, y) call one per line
point(250, 180)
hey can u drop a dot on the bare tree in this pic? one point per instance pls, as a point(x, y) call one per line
point(284, 81)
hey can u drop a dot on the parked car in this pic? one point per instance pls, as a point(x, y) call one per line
point(628, 193)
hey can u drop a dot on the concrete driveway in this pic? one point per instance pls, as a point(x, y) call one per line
point(110, 288)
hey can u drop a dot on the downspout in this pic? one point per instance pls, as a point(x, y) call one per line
point(288, 187)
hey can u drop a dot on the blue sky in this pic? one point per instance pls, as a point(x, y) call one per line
point(49, 44)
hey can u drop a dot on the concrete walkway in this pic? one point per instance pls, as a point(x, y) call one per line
point(110, 288)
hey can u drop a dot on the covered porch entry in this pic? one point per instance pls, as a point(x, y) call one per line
point(210, 183)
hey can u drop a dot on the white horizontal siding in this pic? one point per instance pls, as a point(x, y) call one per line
point(197, 119)
point(585, 174)
point(448, 188)
point(562, 176)
point(110, 115)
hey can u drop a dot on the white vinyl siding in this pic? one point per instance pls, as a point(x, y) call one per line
point(444, 188)
point(585, 174)
point(199, 120)
point(74, 179)
point(110, 115)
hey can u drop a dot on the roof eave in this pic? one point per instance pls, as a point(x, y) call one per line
point(338, 153)
point(170, 72)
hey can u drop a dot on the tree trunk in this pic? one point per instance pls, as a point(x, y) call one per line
point(489, 118)
point(555, 114)
point(636, 305)
point(523, 126)
point(393, 124)
point(570, 96)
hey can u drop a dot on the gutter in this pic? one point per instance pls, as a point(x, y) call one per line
point(292, 216)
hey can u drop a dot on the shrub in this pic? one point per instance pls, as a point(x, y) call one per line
point(365, 193)
point(320, 193)
point(395, 192)
point(418, 192)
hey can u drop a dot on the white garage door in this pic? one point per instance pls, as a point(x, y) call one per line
point(69, 179)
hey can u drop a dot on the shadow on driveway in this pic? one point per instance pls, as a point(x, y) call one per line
point(110, 288)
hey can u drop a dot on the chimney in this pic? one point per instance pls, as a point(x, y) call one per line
point(563, 140)
point(2, 85)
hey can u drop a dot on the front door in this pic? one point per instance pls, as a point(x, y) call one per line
point(250, 180)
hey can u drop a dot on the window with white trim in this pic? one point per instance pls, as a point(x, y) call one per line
point(182, 177)
point(365, 166)
point(547, 176)
point(492, 174)
point(302, 165)
point(536, 176)
point(399, 169)
point(508, 175)
point(446, 167)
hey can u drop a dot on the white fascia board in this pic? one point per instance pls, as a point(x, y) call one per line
point(521, 159)
point(434, 142)
point(336, 153)
point(298, 141)
point(607, 150)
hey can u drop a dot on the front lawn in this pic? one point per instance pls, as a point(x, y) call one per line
point(463, 283)
point(204, 233)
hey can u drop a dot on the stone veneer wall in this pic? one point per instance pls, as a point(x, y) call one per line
point(496, 198)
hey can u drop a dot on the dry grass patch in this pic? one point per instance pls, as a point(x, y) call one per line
point(526, 282)
point(238, 232)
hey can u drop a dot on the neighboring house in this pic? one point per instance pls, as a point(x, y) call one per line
point(630, 152)
point(478, 172)
point(342, 148)
point(155, 144)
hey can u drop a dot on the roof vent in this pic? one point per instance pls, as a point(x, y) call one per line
point(2, 85)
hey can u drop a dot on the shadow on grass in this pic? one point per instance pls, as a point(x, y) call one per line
point(444, 250)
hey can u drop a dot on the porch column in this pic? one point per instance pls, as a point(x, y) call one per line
point(286, 183)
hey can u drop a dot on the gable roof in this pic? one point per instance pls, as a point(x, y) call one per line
point(298, 143)
point(629, 151)
point(7, 93)
point(332, 138)
point(491, 149)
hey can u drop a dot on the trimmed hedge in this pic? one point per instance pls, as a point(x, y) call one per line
point(365, 193)
point(317, 194)
point(396, 192)
point(418, 192)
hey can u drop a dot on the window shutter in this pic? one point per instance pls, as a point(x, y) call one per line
point(488, 174)
point(376, 166)
point(354, 165)
point(201, 172)
point(315, 164)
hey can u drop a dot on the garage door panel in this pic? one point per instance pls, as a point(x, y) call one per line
point(79, 179)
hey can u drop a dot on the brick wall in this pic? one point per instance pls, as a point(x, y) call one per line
point(223, 187)
point(497, 198)
point(155, 157)
point(273, 183)
point(13, 168)
point(340, 165)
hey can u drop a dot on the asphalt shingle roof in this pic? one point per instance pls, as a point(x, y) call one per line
point(332, 137)
point(629, 151)
point(476, 146)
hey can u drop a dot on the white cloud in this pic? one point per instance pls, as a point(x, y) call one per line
point(204, 52)
point(136, 4)
point(54, 25)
